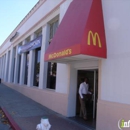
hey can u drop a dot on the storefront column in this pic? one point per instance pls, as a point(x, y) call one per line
point(5, 60)
point(72, 93)
point(11, 65)
point(43, 65)
point(31, 65)
point(7, 66)
point(62, 78)
point(16, 65)
point(2, 67)
point(22, 69)
point(66, 82)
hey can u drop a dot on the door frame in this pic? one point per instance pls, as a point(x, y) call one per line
point(94, 88)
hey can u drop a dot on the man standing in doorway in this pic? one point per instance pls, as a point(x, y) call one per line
point(83, 90)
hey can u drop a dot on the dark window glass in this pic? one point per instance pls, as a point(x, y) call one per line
point(51, 73)
point(8, 66)
point(51, 76)
point(53, 27)
point(26, 68)
point(19, 67)
point(13, 67)
point(39, 33)
point(37, 67)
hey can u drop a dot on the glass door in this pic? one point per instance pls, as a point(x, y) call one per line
point(92, 76)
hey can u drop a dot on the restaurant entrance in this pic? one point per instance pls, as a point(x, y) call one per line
point(91, 105)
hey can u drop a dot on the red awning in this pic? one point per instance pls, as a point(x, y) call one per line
point(80, 34)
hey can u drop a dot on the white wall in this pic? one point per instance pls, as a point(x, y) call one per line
point(72, 92)
point(63, 78)
point(115, 70)
point(63, 8)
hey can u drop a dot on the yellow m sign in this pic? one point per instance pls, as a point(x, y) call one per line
point(95, 38)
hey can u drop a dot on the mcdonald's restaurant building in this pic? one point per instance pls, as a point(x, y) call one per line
point(61, 41)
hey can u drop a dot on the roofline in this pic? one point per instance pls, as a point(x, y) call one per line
point(30, 13)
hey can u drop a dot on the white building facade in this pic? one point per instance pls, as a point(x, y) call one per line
point(54, 84)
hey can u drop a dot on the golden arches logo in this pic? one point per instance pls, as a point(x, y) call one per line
point(95, 37)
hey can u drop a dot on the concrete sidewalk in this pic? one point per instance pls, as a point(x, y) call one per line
point(28, 113)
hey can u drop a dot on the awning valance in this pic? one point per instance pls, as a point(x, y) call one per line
point(81, 32)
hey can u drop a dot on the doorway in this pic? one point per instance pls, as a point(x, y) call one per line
point(92, 76)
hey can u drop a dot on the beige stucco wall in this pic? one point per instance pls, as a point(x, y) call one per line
point(55, 101)
point(109, 113)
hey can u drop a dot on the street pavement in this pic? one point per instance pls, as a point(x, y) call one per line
point(28, 113)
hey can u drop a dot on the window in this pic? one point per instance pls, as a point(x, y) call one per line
point(38, 32)
point(51, 73)
point(26, 67)
point(28, 39)
point(26, 62)
point(51, 78)
point(13, 67)
point(8, 61)
point(37, 60)
point(37, 67)
point(19, 65)
point(53, 27)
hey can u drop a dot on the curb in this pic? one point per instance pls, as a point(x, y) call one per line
point(10, 119)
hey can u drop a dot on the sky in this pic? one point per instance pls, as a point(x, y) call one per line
point(11, 14)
